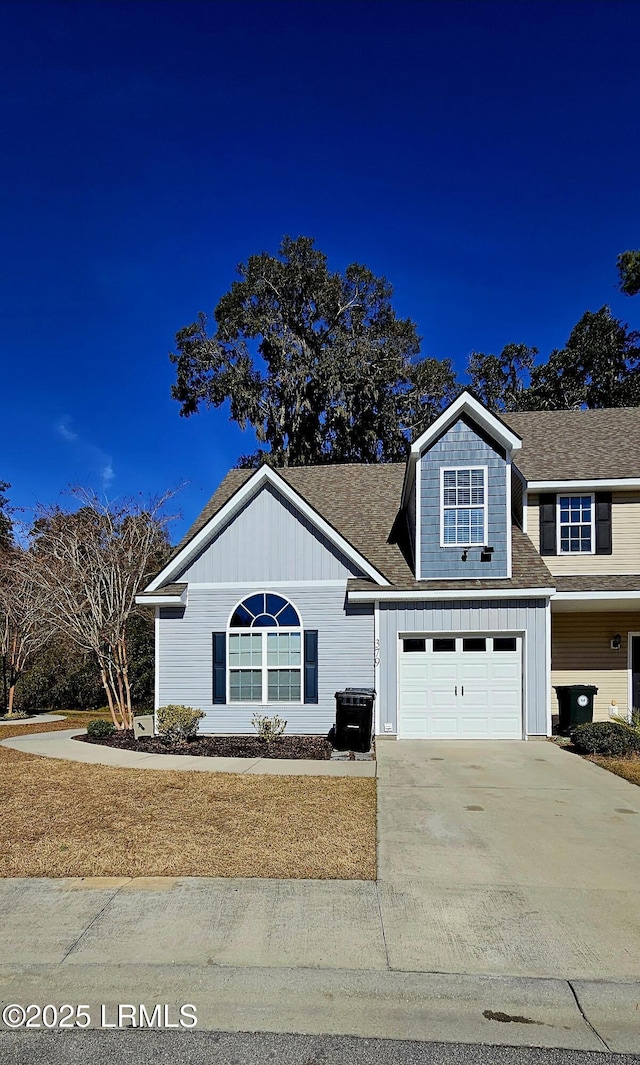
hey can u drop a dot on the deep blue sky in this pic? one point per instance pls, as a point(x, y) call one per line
point(484, 157)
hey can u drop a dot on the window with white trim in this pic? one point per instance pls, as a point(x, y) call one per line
point(463, 506)
point(264, 660)
point(576, 534)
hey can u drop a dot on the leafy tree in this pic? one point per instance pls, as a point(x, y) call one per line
point(499, 380)
point(628, 264)
point(63, 677)
point(317, 363)
point(597, 368)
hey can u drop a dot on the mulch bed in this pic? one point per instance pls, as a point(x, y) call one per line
point(316, 747)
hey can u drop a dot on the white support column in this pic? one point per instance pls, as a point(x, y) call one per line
point(156, 686)
point(548, 665)
point(376, 664)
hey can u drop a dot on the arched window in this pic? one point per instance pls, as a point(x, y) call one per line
point(264, 662)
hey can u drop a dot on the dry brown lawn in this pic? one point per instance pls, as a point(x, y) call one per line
point(68, 819)
point(629, 768)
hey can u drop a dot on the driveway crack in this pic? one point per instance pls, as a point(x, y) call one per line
point(94, 919)
point(586, 1019)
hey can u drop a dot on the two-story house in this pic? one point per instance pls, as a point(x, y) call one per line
point(501, 559)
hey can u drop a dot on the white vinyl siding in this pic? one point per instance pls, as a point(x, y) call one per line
point(185, 656)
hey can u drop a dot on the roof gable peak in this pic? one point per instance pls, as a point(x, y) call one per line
point(467, 404)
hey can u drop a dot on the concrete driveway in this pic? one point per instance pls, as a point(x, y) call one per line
point(507, 858)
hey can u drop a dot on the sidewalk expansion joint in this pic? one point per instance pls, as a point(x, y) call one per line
point(382, 931)
point(586, 1019)
point(94, 919)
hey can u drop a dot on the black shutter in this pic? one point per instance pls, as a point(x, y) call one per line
point(219, 667)
point(311, 666)
point(604, 544)
point(548, 541)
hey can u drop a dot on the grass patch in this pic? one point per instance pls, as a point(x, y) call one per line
point(629, 768)
point(68, 819)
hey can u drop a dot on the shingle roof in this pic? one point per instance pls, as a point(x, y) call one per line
point(615, 582)
point(167, 589)
point(361, 503)
point(562, 445)
point(528, 571)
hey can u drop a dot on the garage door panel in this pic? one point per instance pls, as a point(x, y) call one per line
point(460, 694)
point(508, 701)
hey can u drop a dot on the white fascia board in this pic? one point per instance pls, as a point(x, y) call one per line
point(583, 486)
point(467, 404)
point(452, 593)
point(508, 505)
point(265, 475)
point(162, 600)
point(584, 596)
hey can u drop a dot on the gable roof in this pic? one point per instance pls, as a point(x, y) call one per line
point(566, 445)
point(467, 404)
point(361, 502)
point(238, 487)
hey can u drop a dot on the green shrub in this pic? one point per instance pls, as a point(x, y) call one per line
point(99, 730)
point(268, 728)
point(17, 715)
point(605, 737)
point(177, 723)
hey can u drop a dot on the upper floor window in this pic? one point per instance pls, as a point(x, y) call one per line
point(463, 506)
point(575, 523)
point(265, 656)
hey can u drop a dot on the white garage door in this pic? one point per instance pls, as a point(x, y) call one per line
point(460, 687)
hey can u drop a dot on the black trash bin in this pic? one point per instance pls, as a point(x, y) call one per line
point(354, 720)
point(575, 704)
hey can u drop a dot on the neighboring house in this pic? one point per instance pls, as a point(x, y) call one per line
point(501, 559)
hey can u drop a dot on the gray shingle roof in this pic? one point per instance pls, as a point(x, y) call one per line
point(562, 445)
point(361, 503)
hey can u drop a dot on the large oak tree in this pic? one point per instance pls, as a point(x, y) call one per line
point(316, 362)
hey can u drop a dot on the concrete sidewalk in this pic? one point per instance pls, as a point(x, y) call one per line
point(35, 720)
point(297, 956)
point(62, 745)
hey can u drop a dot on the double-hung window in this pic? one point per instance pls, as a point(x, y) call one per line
point(264, 662)
point(463, 506)
point(575, 523)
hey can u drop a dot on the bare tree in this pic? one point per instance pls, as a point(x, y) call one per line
point(24, 623)
point(91, 562)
